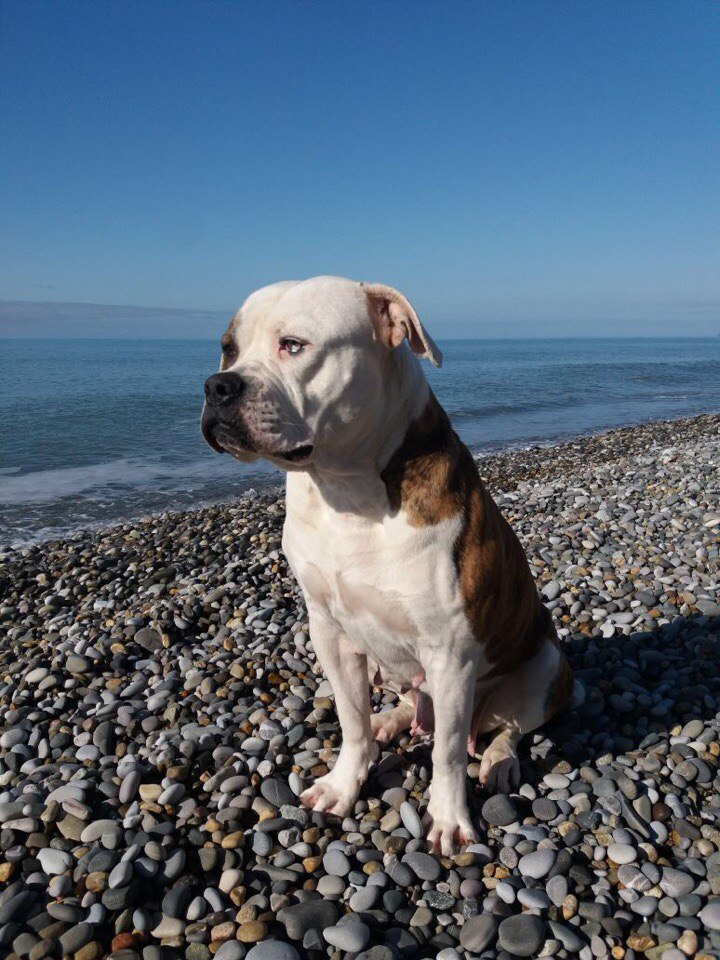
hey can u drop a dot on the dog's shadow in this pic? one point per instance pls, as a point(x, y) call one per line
point(639, 690)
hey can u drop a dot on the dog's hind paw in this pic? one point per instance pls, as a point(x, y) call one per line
point(390, 723)
point(326, 796)
point(499, 769)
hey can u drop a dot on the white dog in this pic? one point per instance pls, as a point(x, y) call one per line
point(412, 577)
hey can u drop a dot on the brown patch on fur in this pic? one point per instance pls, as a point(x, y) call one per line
point(423, 477)
point(431, 477)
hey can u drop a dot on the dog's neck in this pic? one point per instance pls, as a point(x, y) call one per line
point(352, 481)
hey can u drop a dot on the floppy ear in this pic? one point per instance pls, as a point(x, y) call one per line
point(394, 319)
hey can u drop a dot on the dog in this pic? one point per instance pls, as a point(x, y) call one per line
point(413, 579)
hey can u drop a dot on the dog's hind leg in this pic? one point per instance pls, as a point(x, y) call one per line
point(391, 723)
point(521, 702)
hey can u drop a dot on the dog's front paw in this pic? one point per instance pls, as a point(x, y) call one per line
point(327, 795)
point(448, 829)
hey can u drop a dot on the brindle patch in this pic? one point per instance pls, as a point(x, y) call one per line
point(431, 477)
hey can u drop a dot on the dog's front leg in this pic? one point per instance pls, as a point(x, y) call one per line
point(450, 674)
point(346, 670)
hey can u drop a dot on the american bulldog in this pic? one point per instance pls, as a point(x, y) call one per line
point(412, 577)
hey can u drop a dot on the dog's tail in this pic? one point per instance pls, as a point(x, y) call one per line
point(577, 697)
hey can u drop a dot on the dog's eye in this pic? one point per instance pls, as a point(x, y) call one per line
point(291, 346)
point(229, 350)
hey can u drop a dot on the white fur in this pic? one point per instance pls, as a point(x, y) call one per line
point(380, 592)
point(383, 591)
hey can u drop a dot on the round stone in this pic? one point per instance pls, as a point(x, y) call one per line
point(230, 950)
point(710, 915)
point(336, 863)
point(544, 809)
point(422, 865)
point(330, 886)
point(53, 861)
point(522, 935)
point(621, 853)
point(537, 864)
point(273, 950)
point(478, 932)
point(364, 899)
point(499, 811)
point(351, 937)
point(277, 792)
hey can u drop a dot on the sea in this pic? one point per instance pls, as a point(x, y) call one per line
point(93, 432)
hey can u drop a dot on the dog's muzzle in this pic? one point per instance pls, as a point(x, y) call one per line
point(223, 428)
point(223, 391)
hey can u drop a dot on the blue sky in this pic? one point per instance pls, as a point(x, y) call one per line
point(516, 168)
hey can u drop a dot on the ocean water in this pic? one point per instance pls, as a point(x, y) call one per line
point(94, 431)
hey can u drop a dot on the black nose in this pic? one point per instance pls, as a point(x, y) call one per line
point(223, 387)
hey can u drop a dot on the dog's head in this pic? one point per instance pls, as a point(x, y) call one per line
point(311, 370)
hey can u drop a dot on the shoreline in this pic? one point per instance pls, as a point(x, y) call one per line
point(519, 462)
point(162, 709)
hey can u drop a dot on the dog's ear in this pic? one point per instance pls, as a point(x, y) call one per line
point(394, 319)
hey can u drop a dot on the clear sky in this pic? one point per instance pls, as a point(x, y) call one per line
point(514, 167)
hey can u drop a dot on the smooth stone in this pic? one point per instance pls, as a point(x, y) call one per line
point(411, 820)
point(100, 828)
point(277, 792)
point(336, 863)
point(675, 883)
point(53, 861)
point(364, 899)
point(129, 786)
point(329, 886)
point(273, 950)
point(621, 853)
point(230, 950)
point(351, 937)
point(522, 935)
point(310, 915)
point(76, 937)
point(478, 932)
point(499, 811)
point(567, 936)
point(423, 865)
point(710, 915)
point(168, 927)
point(537, 864)
point(557, 889)
point(534, 899)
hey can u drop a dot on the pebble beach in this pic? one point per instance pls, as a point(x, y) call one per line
point(161, 710)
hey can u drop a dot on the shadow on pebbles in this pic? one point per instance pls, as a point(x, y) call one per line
point(161, 709)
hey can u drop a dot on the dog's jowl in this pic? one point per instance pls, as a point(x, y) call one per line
point(413, 579)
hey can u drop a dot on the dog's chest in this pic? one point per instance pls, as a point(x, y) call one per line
point(386, 583)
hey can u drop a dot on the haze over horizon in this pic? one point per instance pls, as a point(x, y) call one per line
point(517, 169)
point(55, 320)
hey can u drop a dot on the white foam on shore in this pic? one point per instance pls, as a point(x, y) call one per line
point(43, 486)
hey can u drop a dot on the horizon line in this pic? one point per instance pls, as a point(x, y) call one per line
point(115, 339)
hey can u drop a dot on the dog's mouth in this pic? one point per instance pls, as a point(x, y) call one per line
point(238, 444)
point(297, 454)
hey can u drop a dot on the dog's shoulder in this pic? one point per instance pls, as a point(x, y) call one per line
point(432, 477)
point(432, 472)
